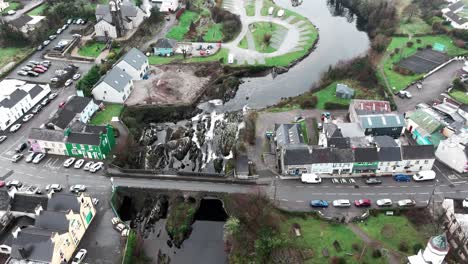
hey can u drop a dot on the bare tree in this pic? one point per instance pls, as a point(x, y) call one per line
point(409, 11)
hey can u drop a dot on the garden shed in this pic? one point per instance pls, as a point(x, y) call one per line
point(343, 91)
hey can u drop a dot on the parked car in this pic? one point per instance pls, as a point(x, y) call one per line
point(2, 183)
point(372, 180)
point(33, 62)
point(68, 82)
point(62, 104)
point(16, 157)
point(54, 79)
point(384, 202)
point(76, 76)
point(79, 163)
point(28, 117)
point(428, 175)
point(88, 165)
point(310, 178)
point(341, 203)
point(319, 203)
point(52, 96)
point(54, 187)
point(15, 128)
point(22, 73)
point(2, 138)
point(69, 21)
point(96, 167)
point(33, 73)
point(36, 109)
point(38, 70)
point(46, 42)
point(38, 158)
point(30, 157)
point(14, 183)
point(80, 256)
point(52, 37)
point(11, 12)
point(404, 94)
point(406, 203)
point(45, 102)
point(64, 27)
point(21, 147)
point(401, 178)
point(45, 68)
point(69, 162)
point(77, 188)
point(26, 68)
point(46, 63)
point(362, 203)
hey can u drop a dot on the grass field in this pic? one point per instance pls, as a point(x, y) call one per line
point(304, 132)
point(38, 11)
point(460, 96)
point(11, 54)
point(178, 32)
point(243, 44)
point(328, 94)
point(250, 8)
point(317, 235)
point(399, 81)
point(416, 25)
point(259, 30)
point(156, 60)
point(91, 50)
point(392, 230)
point(214, 33)
point(105, 116)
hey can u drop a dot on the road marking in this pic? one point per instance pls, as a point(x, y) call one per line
point(300, 186)
point(423, 193)
point(383, 193)
point(397, 194)
point(404, 186)
point(299, 201)
point(391, 186)
point(284, 200)
point(459, 182)
point(342, 194)
point(371, 194)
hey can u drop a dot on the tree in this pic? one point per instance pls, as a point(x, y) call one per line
point(89, 80)
point(409, 11)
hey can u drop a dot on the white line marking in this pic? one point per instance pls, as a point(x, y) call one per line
point(299, 201)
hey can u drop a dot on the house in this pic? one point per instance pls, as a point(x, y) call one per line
point(4, 5)
point(388, 154)
point(453, 152)
point(343, 91)
point(117, 18)
point(391, 124)
point(416, 158)
point(95, 142)
point(165, 47)
point(456, 226)
point(114, 87)
point(288, 134)
point(455, 20)
point(135, 63)
point(359, 107)
point(454, 7)
point(77, 108)
point(424, 128)
point(47, 141)
point(18, 97)
point(169, 6)
point(26, 23)
point(436, 250)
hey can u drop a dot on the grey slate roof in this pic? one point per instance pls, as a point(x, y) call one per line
point(117, 79)
point(287, 134)
point(35, 91)
point(33, 244)
point(455, 6)
point(74, 106)
point(28, 202)
point(46, 134)
point(13, 99)
point(339, 142)
point(6, 236)
point(385, 141)
point(95, 129)
point(62, 118)
point(77, 104)
point(21, 21)
point(296, 155)
point(414, 152)
point(381, 121)
point(84, 138)
point(331, 130)
point(63, 202)
point(164, 43)
point(301, 154)
point(135, 58)
point(456, 18)
point(389, 154)
point(344, 89)
point(127, 10)
point(365, 155)
point(54, 221)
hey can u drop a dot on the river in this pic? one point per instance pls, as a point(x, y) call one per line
point(339, 40)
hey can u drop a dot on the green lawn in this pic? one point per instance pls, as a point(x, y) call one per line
point(178, 32)
point(416, 25)
point(460, 96)
point(156, 60)
point(12, 6)
point(10, 54)
point(214, 33)
point(38, 11)
point(105, 116)
point(250, 9)
point(91, 50)
point(317, 235)
point(243, 43)
point(392, 230)
point(305, 135)
point(259, 30)
point(399, 81)
point(328, 94)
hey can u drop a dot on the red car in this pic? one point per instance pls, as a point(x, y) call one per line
point(42, 67)
point(2, 183)
point(62, 104)
point(362, 203)
point(38, 70)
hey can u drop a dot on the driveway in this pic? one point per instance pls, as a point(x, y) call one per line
point(433, 86)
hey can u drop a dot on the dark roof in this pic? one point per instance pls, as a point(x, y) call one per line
point(331, 130)
point(297, 155)
point(35, 91)
point(28, 202)
point(21, 21)
point(4, 199)
point(242, 164)
point(339, 142)
point(46, 134)
point(77, 104)
point(456, 18)
point(288, 134)
point(455, 6)
point(95, 129)
point(418, 152)
point(385, 141)
point(365, 154)
point(84, 138)
point(62, 202)
point(63, 118)
point(33, 244)
point(382, 121)
point(389, 154)
point(54, 221)
point(6, 237)
point(13, 99)
point(300, 154)
point(164, 43)
point(343, 155)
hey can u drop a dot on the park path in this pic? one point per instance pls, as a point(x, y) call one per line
point(393, 258)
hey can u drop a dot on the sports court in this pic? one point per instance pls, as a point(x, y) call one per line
point(423, 61)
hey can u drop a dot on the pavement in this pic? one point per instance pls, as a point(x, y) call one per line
point(28, 5)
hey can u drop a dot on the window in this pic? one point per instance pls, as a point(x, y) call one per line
point(426, 161)
point(416, 162)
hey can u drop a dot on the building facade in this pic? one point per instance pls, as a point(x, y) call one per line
point(114, 87)
point(135, 63)
point(90, 144)
point(453, 152)
point(117, 18)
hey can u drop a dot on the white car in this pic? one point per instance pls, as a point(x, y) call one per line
point(76, 76)
point(79, 163)
point(16, 157)
point(46, 42)
point(69, 162)
point(30, 157)
point(88, 165)
point(15, 128)
point(14, 183)
point(424, 175)
point(52, 96)
point(68, 82)
point(38, 158)
point(341, 203)
point(384, 202)
point(11, 12)
point(26, 118)
point(77, 188)
point(22, 73)
point(59, 31)
point(406, 94)
point(96, 166)
point(406, 203)
point(310, 178)
point(55, 187)
point(80, 256)
point(2, 138)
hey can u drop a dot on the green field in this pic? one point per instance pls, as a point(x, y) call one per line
point(250, 8)
point(398, 81)
point(105, 116)
point(38, 11)
point(91, 50)
point(460, 96)
point(416, 25)
point(392, 230)
point(328, 94)
point(214, 33)
point(243, 43)
point(157, 60)
point(178, 32)
point(8, 55)
point(259, 30)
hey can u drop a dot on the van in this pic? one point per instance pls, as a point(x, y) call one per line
point(424, 175)
point(310, 178)
point(402, 178)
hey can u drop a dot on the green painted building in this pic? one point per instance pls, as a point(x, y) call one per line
point(95, 142)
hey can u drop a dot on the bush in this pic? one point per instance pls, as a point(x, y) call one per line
point(334, 106)
point(89, 80)
point(397, 50)
point(356, 247)
point(409, 44)
point(418, 41)
point(309, 103)
point(131, 243)
point(429, 46)
point(403, 246)
point(250, 127)
point(376, 253)
point(459, 43)
point(417, 247)
point(338, 260)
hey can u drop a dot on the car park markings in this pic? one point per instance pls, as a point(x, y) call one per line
point(299, 201)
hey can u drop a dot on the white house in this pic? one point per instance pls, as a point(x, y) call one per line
point(77, 108)
point(453, 152)
point(416, 158)
point(47, 141)
point(114, 87)
point(4, 5)
point(135, 63)
point(169, 5)
point(436, 250)
point(455, 20)
point(16, 98)
point(117, 18)
point(26, 23)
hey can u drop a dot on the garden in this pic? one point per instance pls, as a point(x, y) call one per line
point(12, 54)
point(263, 34)
point(105, 116)
point(38, 11)
point(93, 49)
point(220, 56)
point(13, 5)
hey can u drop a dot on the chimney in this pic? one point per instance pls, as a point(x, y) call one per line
point(16, 232)
point(38, 209)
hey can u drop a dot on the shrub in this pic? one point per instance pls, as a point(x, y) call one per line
point(338, 260)
point(250, 127)
point(334, 106)
point(397, 50)
point(403, 246)
point(418, 41)
point(409, 44)
point(417, 247)
point(459, 43)
point(356, 247)
point(309, 103)
point(428, 46)
point(376, 253)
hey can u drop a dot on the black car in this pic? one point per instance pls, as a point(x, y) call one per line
point(21, 147)
point(373, 181)
point(33, 74)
